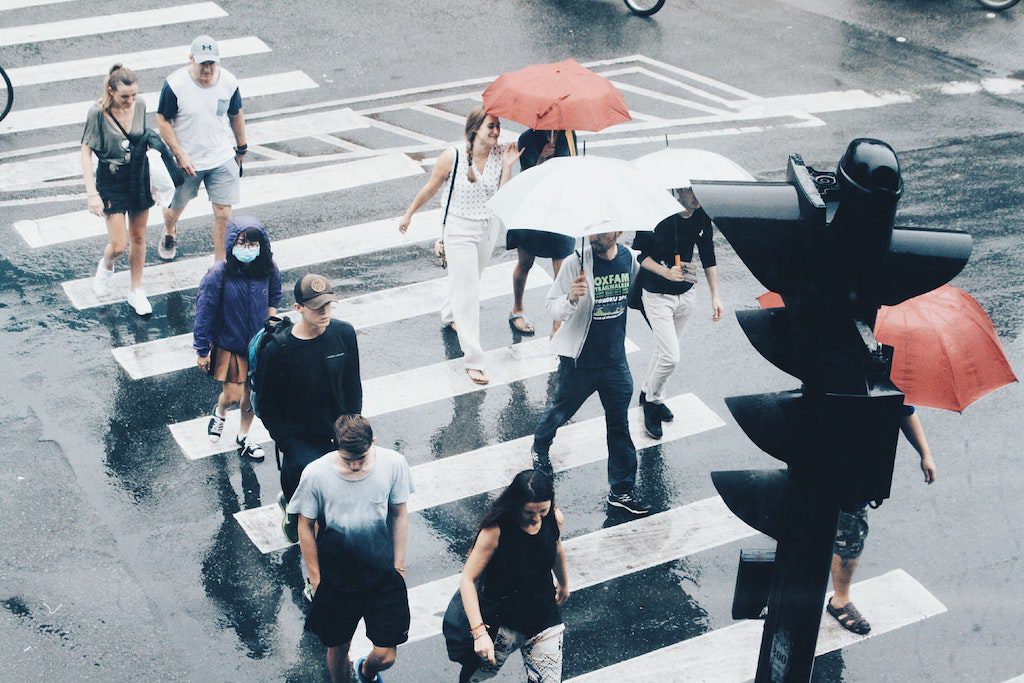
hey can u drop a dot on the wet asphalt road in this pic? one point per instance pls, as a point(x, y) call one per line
point(120, 559)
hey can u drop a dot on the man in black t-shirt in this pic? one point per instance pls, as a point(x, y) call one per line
point(666, 295)
point(310, 379)
point(590, 300)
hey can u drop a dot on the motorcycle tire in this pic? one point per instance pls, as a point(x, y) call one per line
point(997, 5)
point(644, 8)
point(8, 101)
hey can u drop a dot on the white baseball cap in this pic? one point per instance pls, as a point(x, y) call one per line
point(205, 49)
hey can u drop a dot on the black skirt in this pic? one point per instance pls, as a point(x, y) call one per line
point(113, 189)
point(540, 243)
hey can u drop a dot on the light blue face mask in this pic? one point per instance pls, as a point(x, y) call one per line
point(245, 254)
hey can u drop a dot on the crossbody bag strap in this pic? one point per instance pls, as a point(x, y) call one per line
point(451, 191)
point(118, 124)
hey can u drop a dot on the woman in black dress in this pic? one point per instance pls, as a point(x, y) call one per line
point(509, 574)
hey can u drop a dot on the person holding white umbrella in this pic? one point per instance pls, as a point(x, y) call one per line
point(666, 295)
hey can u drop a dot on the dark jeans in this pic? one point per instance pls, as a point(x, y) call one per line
point(614, 385)
point(296, 453)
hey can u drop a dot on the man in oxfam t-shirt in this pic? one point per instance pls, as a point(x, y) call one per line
point(355, 554)
point(590, 300)
point(200, 110)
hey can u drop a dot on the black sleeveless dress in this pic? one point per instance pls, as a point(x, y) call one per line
point(519, 576)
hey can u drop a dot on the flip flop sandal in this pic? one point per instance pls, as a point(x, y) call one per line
point(849, 618)
point(527, 328)
point(481, 380)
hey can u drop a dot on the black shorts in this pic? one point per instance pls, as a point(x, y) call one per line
point(850, 534)
point(113, 190)
point(335, 613)
point(540, 243)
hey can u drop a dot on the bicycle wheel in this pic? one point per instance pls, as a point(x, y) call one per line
point(997, 4)
point(8, 97)
point(644, 8)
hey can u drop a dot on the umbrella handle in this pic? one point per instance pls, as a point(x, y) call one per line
point(679, 260)
point(571, 140)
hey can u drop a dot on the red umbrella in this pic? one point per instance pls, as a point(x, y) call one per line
point(946, 353)
point(559, 96)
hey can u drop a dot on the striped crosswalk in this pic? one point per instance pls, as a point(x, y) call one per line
point(689, 105)
point(368, 310)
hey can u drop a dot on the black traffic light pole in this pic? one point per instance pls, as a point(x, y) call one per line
point(826, 243)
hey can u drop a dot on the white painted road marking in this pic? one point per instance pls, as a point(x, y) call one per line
point(492, 467)
point(294, 252)
point(729, 655)
point(109, 23)
point(68, 114)
point(398, 391)
point(18, 175)
point(598, 557)
point(18, 4)
point(255, 190)
point(175, 353)
point(139, 61)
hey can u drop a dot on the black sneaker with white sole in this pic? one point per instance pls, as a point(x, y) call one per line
point(628, 501)
point(215, 427)
point(652, 420)
point(167, 248)
point(248, 448)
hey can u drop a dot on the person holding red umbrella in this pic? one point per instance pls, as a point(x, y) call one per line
point(470, 177)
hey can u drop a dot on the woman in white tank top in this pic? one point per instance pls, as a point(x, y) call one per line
point(471, 229)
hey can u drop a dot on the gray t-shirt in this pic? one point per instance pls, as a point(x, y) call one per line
point(104, 137)
point(355, 512)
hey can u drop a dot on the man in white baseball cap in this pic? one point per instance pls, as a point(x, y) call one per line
point(200, 119)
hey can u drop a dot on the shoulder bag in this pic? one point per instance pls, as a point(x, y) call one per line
point(439, 244)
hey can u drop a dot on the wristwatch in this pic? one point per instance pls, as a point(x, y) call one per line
point(241, 150)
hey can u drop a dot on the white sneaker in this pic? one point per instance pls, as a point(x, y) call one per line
point(101, 283)
point(137, 300)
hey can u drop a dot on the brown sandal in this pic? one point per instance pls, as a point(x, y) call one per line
point(849, 618)
point(481, 379)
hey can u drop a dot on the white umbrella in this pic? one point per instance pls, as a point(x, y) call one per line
point(579, 196)
point(673, 168)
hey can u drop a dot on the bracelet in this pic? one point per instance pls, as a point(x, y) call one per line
point(241, 150)
point(473, 628)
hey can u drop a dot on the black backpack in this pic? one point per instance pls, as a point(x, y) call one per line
point(274, 329)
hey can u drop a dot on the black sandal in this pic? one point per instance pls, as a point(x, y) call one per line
point(849, 618)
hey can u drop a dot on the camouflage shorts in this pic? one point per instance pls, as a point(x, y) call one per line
point(850, 534)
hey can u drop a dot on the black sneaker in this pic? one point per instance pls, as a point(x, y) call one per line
point(167, 248)
point(652, 420)
point(665, 414)
point(628, 502)
point(215, 427)
point(541, 462)
point(247, 448)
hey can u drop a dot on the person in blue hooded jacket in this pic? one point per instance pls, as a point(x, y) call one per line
point(235, 298)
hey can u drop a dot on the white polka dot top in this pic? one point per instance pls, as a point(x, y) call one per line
point(468, 199)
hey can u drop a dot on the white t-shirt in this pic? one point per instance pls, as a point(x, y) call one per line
point(199, 116)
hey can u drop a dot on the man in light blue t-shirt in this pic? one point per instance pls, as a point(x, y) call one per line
point(353, 525)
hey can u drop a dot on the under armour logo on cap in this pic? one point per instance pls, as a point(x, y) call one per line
point(205, 49)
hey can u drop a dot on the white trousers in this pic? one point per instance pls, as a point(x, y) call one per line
point(667, 314)
point(467, 246)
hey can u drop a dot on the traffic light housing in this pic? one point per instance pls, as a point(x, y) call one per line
point(826, 243)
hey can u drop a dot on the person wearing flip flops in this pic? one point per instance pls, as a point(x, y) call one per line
point(537, 147)
point(853, 529)
point(353, 526)
point(235, 297)
point(470, 177)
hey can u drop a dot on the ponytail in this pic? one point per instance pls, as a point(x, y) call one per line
point(118, 74)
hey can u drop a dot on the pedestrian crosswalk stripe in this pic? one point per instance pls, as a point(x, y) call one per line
point(17, 175)
point(397, 391)
point(137, 61)
point(175, 353)
point(598, 557)
point(290, 253)
point(492, 467)
point(109, 23)
point(255, 190)
point(729, 655)
point(75, 112)
point(19, 4)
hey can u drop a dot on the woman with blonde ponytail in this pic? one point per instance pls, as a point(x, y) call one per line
point(470, 228)
point(118, 118)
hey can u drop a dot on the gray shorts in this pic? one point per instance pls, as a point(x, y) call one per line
point(850, 534)
point(222, 185)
